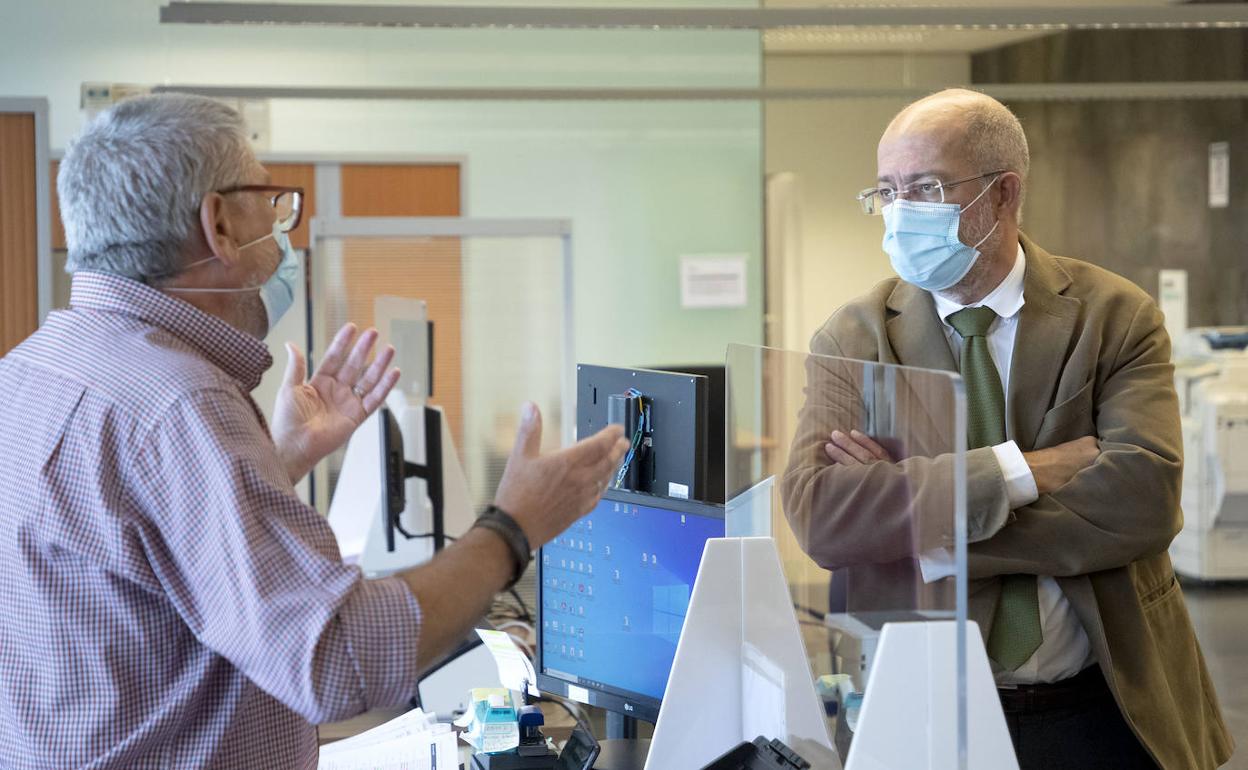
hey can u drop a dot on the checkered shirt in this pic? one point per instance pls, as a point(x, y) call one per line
point(166, 601)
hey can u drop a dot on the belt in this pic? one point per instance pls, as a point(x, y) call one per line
point(1087, 685)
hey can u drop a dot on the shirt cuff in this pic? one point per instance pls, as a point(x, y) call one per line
point(1020, 485)
point(381, 622)
point(936, 564)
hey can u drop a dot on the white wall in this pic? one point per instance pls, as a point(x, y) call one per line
point(830, 146)
point(642, 182)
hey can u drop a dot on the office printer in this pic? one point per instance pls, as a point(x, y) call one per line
point(1211, 377)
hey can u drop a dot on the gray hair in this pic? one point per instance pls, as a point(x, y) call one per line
point(131, 185)
point(994, 136)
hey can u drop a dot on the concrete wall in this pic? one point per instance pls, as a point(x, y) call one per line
point(1124, 184)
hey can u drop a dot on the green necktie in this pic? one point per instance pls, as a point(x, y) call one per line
point(1016, 627)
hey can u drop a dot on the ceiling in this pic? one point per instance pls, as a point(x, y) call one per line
point(815, 40)
point(839, 40)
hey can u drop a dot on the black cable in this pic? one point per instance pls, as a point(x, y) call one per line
point(422, 535)
point(524, 608)
point(811, 611)
point(575, 718)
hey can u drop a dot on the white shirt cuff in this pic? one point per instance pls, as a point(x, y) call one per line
point(936, 564)
point(1020, 485)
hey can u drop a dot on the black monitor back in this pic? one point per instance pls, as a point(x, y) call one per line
point(716, 388)
point(679, 414)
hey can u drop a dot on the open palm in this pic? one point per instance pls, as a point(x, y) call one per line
point(313, 417)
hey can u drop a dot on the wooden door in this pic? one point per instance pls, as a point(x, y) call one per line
point(19, 256)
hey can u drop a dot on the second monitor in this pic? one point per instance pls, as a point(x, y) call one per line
point(665, 418)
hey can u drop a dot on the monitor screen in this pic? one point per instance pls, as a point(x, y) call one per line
point(613, 592)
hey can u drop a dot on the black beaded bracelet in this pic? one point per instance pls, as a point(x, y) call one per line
point(499, 521)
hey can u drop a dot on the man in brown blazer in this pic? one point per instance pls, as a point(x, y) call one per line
point(1075, 454)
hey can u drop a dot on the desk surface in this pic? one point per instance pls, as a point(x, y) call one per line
point(558, 726)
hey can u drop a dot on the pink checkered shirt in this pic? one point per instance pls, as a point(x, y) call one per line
point(166, 601)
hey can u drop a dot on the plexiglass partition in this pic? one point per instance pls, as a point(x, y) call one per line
point(857, 470)
point(497, 295)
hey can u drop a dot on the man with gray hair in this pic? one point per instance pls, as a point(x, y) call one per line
point(1074, 461)
point(168, 601)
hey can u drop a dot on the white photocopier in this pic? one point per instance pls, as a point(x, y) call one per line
point(1211, 376)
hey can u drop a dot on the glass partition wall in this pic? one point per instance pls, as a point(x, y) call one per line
point(863, 541)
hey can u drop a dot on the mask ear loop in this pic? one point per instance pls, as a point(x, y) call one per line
point(986, 237)
point(271, 234)
point(976, 200)
point(981, 194)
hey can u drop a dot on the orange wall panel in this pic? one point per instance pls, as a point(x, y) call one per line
point(429, 269)
point(394, 190)
point(19, 269)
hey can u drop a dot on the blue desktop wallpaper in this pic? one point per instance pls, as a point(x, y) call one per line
point(615, 590)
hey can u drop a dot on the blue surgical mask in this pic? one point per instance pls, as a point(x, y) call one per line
point(278, 292)
point(922, 242)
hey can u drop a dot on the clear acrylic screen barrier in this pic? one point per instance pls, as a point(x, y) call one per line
point(861, 543)
point(498, 308)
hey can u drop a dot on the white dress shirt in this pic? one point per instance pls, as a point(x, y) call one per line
point(1065, 650)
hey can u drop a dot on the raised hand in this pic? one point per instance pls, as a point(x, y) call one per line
point(314, 417)
point(547, 493)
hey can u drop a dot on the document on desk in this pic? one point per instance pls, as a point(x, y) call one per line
point(515, 670)
point(413, 741)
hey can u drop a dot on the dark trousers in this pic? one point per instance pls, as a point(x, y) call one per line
point(1071, 725)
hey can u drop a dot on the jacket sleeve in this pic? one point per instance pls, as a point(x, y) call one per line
point(884, 511)
point(1123, 507)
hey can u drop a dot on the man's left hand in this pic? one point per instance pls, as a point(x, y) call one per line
point(854, 448)
point(314, 417)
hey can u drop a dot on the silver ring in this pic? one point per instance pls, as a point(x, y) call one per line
point(357, 391)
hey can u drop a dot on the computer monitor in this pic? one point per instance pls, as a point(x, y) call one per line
point(396, 471)
point(716, 392)
point(663, 413)
point(613, 590)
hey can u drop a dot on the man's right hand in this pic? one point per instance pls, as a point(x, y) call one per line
point(1055, 466)
point(546, 494)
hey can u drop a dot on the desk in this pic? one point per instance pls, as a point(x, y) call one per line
point(558, 726)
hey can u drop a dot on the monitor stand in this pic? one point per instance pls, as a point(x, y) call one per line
point(622, 750)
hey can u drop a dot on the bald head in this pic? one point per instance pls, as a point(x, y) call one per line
point(970, 128)
point(975, 147)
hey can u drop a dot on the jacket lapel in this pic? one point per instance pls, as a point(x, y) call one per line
point(1045, 326)
point(915, 331)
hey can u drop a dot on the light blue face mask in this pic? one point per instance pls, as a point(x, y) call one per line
point(278, 292)
point(922, 242)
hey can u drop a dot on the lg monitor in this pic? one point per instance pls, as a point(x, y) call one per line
point(613, 590)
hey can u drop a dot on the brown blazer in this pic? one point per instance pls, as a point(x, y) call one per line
point(1091, 358)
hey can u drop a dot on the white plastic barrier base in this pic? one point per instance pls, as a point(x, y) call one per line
point(740, 669)
point(909, 711)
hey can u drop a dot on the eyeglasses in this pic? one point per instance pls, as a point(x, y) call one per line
point(286, 201)
point(874, 199)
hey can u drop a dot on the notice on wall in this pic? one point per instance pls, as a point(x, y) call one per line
point(1219, 175)
point(712, 281)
